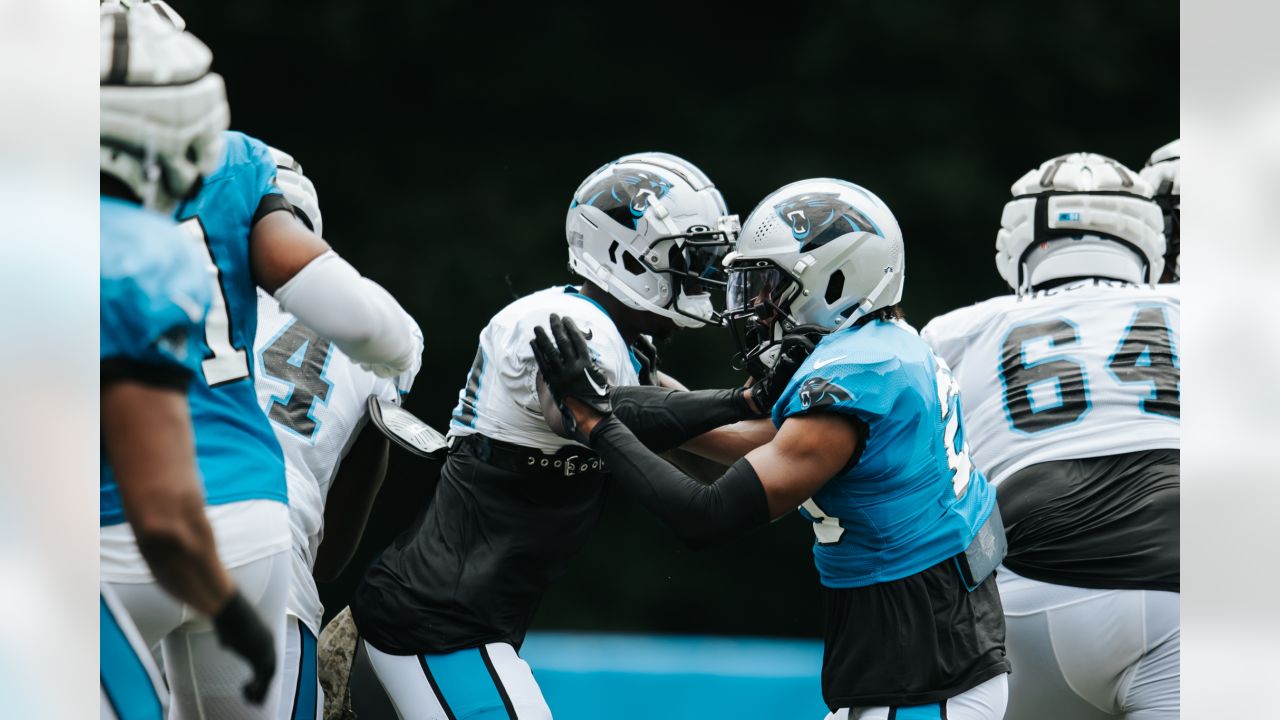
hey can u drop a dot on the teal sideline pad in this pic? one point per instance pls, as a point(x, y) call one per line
point(586, 676)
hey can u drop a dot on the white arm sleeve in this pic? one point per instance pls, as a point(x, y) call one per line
point(362, 319)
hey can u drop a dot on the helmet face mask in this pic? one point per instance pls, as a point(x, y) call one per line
point(652, 231)
point(758, 302)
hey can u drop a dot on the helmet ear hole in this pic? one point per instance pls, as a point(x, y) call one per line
point(632, 265)
point(835, 287)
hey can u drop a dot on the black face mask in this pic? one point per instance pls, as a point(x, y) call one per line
point(758, 295)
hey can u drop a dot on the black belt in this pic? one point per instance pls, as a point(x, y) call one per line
point(568, 461)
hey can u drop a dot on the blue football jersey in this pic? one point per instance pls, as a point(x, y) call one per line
point(912, 499)
point(154, 294)
point(238, 454)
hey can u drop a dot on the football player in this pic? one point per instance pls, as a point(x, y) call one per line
point(443, 612)
point(1163, 172)
point(154, 295)
point(870, 446)
point(316, 399)
point(1072, 387)
point(163, 117)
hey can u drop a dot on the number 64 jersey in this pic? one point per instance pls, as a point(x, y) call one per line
point(1083, 370)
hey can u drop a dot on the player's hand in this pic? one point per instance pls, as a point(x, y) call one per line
point(766, 391)
point(579, 386)
point(241, 630)
point(647, 355)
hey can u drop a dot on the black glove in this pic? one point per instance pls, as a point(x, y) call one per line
point(241, 630)
point(568, 370)
point(647, 354)
point(766, 391)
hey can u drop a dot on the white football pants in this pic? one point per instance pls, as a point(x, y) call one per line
point(1080, 654)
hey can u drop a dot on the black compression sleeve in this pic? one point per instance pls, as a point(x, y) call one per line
point(662, 418)
point(698, 513)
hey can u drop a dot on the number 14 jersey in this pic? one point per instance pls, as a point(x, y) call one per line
point(1083, 370)
point(316, 400)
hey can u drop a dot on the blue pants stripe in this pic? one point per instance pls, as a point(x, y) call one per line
point(918, 712)
point(304, 696)
point(124, 678)
point(464, 684)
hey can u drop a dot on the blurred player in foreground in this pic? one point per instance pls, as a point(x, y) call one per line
point(317, 401)
point(163, 121)
point(154, 297)
point(1072, 391)
point(870, 446)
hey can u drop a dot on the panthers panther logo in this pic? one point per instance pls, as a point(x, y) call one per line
point(817, 218)
point(624, 194)
point(819, 392)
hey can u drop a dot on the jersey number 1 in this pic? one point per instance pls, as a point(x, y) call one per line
point(226, 362)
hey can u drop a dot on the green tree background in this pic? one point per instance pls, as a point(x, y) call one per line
point(446, 139)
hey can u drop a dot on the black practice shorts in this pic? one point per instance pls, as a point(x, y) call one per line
point(1106, 522)
point(475, 566)
point(914, 641)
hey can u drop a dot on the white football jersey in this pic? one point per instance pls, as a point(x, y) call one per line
point(1082, 370)
point(315, 398)
point(500, 398)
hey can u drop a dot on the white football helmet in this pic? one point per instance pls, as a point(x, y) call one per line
point(1080, 215)
point(298, 190)
point(651, 230)
point(1163, 172)
point(162, 111)
point(817, 254)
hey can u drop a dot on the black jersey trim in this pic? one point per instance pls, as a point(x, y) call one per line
point(497, 682)
point(270, 203)
point(160, 375)
point(435, 688)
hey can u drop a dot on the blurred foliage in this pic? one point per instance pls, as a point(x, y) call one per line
point(446, 139)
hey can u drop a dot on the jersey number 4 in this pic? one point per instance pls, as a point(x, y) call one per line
point(226, 362)
point(298, 356)
point(1145, 355)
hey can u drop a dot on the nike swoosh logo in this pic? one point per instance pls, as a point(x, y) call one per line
point(599, 390)
point(819, 364)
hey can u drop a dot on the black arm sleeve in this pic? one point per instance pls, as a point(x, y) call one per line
point(662, 418)
point(698, 513)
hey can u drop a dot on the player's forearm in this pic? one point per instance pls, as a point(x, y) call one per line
point(182, 556)
point(662, 418)
point(358, 315)
point(698, 513)
point(147, 435)
point(730, 443)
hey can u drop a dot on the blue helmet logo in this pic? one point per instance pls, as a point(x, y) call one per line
point(624, 194)
point(817, 392)
point(817, 218)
